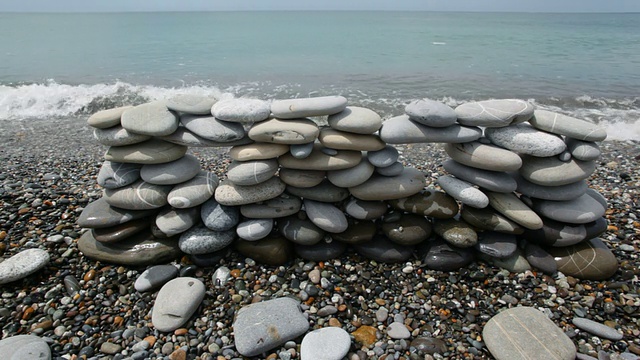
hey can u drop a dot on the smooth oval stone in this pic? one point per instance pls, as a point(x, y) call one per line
point(138, 196)
point(411, 181)
point(107, 118)
point(494, 113)
point(153, 119)
point(428, 202)
point(588, 260)
point(218, 217)
point(456, 232)
point(483, 156)
point(325, 216)
point(525, 139)
point(241, 110)
point(429, 345)
point(118, 136)
point(353, 176)
point(113, 175)
point(324, 192)
point(442, 256)
point(583, 150)
point(509, 205)
point(341, 140)
point(568, 126)
point(317, 106)
point(227, 193)
point(153, 151)
point(596, 328)
point(254, 229)
point(252, 172)
point(154, 277)
point(384, 157)
point(497, 245)
point(201, 240)
point(540, 259)
point(22, 264)
point(300, 231)
point(519, 332)
point(597, 197)
point(488, 219)
point(431, 113)
point(173, 221)
point(22, 347)
point(365, 210)
point(272, 250)
point(331, 343)
point(263, 326)
point(211, 128)
point(410, 229)
point(463, 191)
point(139, 250)
point(394, 169)
point(490, 180)
point(290, 132)
point(301, 151)
point(257, 151)
point(99, 214)
point(301, 178)
point(384, 250)
point(193, 192)
point(318, 160)
point(357, 232)
point(516, 263)
point(281, 206)
point(191, 103)
point(171, 173)
point(357, 120)
point(155, 232)
point(322, 251)
point(122, 231)
point(186, 137)
point(176, 302)
point(581, 210)
point(559, 234)
point(556, 193)
point(402, 130)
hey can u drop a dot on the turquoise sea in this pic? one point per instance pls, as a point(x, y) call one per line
point(69, 65)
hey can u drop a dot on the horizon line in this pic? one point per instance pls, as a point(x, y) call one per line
point(312, 10)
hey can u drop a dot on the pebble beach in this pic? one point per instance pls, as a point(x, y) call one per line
point(48, 175)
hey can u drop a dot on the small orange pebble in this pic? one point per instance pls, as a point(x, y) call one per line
point(612, 228)
point(342, 307)
point(151, 340)
point(28, 313)
point(23, 211)
point(181, 331)
point(608, 300)
point(90, 275)
point(321, 264)
point(333, 322)
point(380, 301)
point(3, 234)
point(235, 273)
point(118, 321)
point(310, 300)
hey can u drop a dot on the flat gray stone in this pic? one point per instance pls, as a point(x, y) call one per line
point(596, 328)
point(397, 330)
point(489, 219)
point(22, 265)
point(583, 150)
point(494, 113)
point(353, 176)
point(281, 206)
point(218, 217)
point(300, 230)
point(484, 156)
point(22, 347)
point(139, 250)
point(241, 110)
point(402, 130)
point(325, 216)
point(152, 151)
point(191, 103)
point(252, 172)
point(211, 128)
point(431, 113)
point(358, 232)
point(379, 187)
point(263, 326)
point(526, 333)
point(383, 157)
point(154, 277)
point(153, 119)
point(568, 126)
point(394, 169)
point(581, 210)
point(319, 160)
point(525, 139)
point(409, 229)
point(589, 260)
point(202, 240)
point(384, 250)
point(107, 118)
point(556, 193)
point(176, 302)
point(227, 193)
point(597, 197)
point(509, 205)
point(118, 136)
point(171, 173)
point(323, 192)
point(516, 263)
point(356, 120)
point(193, 192)
point(491, 180)
point(114, 175)
point(99, 214)
point(559, 234)
point(254, 229)
point(272, 250)
point(330, 343)
point(497, 245)
point(304, 107)
point(321, 251)
point(442, 256)
point(123, 231)
point(540, 259)
point(463, 191)
point(290, 132)
point(258, 151)
point(456, 232)
point(301, 151)
point(186, 137)
point(140, 195)
point(365, 210)
point(173, 221)
point(341, 140)
point(301, 178)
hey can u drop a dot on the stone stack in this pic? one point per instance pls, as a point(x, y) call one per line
point(295, 186)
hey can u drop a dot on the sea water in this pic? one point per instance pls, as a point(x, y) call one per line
point(71, 65)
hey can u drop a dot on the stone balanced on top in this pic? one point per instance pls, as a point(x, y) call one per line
point(516, 194)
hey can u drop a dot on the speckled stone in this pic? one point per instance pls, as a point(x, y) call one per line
point(281, 206)
point(152, 151)
point(114, 175)
point(568, 126)
point(118, 136)
point(153, 119)
point(241, 110)
point(303, 107)
point(23, 347)
point(428, 202)
point(402, 130)
point(227, 193)
point(210, 128)
point(201, 240)
point(218, 217)
point(191, 103)
point(589, 260)
point(107, 118)
point(410, 229)
point(176, 302)
point(525, 139)
point(494, 113)
point(22, 264)
point(484, 156)
point(431, 113)
point(356, 120)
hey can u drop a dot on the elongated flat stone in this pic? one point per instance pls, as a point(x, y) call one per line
point(172, 221)
point(300, 230)
point(122, 231)
point(107, 118)
point(301, 178)
point(325, 216)
point(559, 234)
point(318, 160)
point(379, 187)
point(211, 128)
point(281, 206)
point(19, 347)
point(568, 126)
point(583, 150)
point(484, 156)
point(488, 219)
point(353, 176)
point(356, 120)
point(202, 240)
point(241, 110)
point(597, 329)
point(384, 250)
point(153, 119)
point(431, 113)
point(581, 210)
point(99, 214)
point(153, 151)
point(463, 191)
point(490, 180)
point(171, 173)
point(402, 130)
point(272, 250)
point(429, 202)
point(22, 264)
point(185, 137)
point(290, 132)
point(193, 192)
point(358, 232)
point(494, 113)
point(509, 205)
point(324, 192)
point(525, 139)
point(140, 195)
point(589, 260)
point(118, 136)
point(257, 151)
point(252, 172)
point(113, 175)
point(176, 301)
point(227, 193)
point(410, 229)
point(556, 193)
point(341, 140)
point(191, 103)
point(365, 210)
point(304, 107)
point(139, 250)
